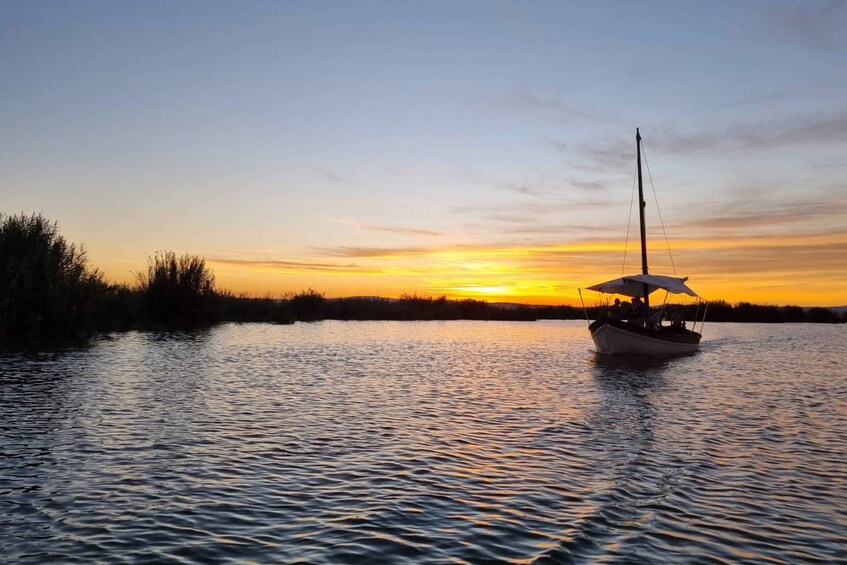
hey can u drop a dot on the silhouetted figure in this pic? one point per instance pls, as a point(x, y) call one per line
point(678, 320)
point(616, 310)
point(639, 313)
point(655, 321)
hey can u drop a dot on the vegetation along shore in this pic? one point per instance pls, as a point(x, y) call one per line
point(49, 291)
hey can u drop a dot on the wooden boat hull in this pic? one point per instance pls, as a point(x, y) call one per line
point(616, 337)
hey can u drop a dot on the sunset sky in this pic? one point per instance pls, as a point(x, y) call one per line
point(473, 149)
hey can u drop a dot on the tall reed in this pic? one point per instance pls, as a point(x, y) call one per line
point(178, 290)
point(47, 288)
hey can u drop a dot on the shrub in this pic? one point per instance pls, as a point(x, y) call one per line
point(118, 307)
point(47, 286)
point(307, 305)
point(244, 308)
point(178, 291)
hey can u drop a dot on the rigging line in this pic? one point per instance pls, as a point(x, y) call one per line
point(629, 219)
point(656, 198)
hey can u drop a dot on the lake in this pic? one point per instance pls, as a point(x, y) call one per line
point(425, 442)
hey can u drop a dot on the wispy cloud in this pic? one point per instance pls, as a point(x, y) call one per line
point(372, 252)
point(755, 99)
point(614, 155)
point(752, 209)
point(530, 212)
point(390, 229)
point(279, 264)
point(254, 251)
point(792, 131)
point(523, 189)
point(814, 129)
point(557, 229)
point(332, 176)
point(544, 185)
point(818, 25)
point(526, 102)
point(589, 184)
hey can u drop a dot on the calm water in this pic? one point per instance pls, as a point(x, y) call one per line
point(426, 442)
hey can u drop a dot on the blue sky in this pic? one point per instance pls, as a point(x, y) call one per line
point(422, 146)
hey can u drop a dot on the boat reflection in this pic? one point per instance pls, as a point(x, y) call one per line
point(623, 427)
point(622, 365)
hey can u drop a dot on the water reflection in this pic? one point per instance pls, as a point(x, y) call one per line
point(467, 442)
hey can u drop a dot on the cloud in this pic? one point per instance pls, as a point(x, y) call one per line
point(332, 176)
point(780, 214)
point(283, 264)
point(768, 257)
point(506, 252)
point(391, 229)
point(756, 99)
point(589, 185)
point(818, 130)
point(526, 102)
point(543, 186)
point(615, 155)
point(530, 211)
point(533, 218)
point(801, 259)
point(815, 25)
point(524, 189)
point(556, 229)
point(753, 211)
point(793, 131)
point(372, 252)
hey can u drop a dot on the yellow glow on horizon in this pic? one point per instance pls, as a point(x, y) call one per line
point(775, 269)
point(482, 290)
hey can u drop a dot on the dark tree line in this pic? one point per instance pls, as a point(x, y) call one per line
point(49, 291)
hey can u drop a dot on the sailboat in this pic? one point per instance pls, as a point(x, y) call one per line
point(638, 337)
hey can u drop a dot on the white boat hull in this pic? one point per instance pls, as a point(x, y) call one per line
point(618, 339)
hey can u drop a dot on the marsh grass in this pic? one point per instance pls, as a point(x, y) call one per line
point(178, 290)
point(47, 288)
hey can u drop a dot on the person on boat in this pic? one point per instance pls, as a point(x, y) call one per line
point(616, 310)
point(639, 313)
point(655, 321)
point(678, 319)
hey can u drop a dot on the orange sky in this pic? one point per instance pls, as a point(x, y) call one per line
point(800, 269)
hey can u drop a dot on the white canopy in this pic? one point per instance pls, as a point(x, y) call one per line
point(634, 285)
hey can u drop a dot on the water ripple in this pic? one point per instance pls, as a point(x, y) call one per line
point(461, 442)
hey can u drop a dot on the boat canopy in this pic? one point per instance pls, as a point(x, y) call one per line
point(634, 285)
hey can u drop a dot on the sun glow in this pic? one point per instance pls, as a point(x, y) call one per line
point(482, 290)
point(776, 269)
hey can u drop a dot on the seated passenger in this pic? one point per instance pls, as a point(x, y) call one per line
point(678, 319)
point(656, 320)
point(616, 311)
point(638, 313)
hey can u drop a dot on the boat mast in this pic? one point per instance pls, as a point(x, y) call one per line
point(641, 206)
